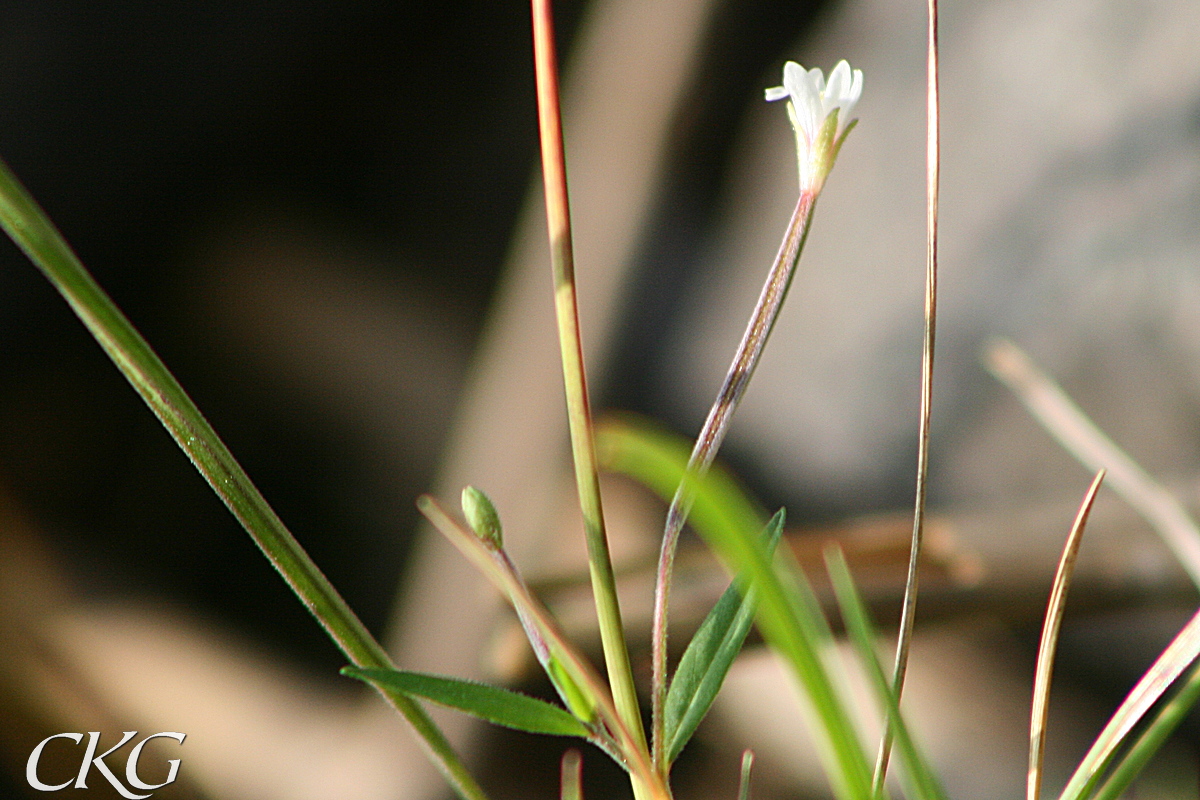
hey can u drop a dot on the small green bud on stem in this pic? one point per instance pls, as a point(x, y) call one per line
point(482, 517)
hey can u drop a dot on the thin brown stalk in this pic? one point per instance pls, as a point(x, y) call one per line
point(932, 179)
point(1067, 423)
point(1045, 660)
point(554, 173)
point(745, 360)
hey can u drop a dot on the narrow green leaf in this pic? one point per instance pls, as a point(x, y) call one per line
point(709, 655)
point(1165, 721)
point(492, 703)
point(787, 614)
point(1177, 657)
point(862, 635)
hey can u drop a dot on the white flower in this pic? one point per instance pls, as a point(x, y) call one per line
point(811, 102)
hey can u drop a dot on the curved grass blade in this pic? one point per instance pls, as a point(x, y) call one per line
point(788, 613)
point(1176, 658)
point(862, 634)
point(35, 234)
point(1173, 712)
point(706, 661)
point(492, 703)
point(1045, 658)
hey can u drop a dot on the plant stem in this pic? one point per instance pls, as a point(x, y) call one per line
point(932, 175)
point(554, 173)
point(762, 320)
point(33, 232)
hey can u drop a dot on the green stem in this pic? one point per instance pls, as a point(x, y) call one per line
point(612, 632)
point(33, 232)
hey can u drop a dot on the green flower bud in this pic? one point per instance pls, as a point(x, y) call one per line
point(482, 517)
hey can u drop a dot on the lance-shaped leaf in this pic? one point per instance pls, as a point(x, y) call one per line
point(862, 635)
point(707, 659)
point(492, 703)
point(1176, 658)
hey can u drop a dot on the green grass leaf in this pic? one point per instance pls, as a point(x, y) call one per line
point(492, 703)
point(862, 635)
point(707, 659)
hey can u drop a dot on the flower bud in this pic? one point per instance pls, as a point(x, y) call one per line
point(482, 517)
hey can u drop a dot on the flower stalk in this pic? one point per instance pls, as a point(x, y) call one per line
point(820, 115)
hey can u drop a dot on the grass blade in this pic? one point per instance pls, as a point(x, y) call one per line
point(1045, 659)
point(862, 635)
point(1165, 721)
point(492, 703)
point(1176, 658)
point(36, 235)
point(788, 613)
point(706, 661)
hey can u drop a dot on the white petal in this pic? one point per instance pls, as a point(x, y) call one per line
point(855, 88)
point(839, 83)
point(817, 79)
point(776, 93)
point(808, 111)
point(793, 78)
point(851, 99)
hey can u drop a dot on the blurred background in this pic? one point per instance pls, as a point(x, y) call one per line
point(325, 218)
